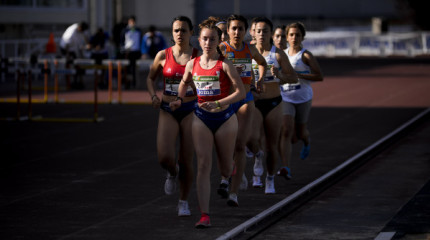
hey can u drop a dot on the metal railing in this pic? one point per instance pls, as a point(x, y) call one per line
point(319, 43)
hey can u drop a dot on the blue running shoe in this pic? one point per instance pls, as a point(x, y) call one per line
point(305, 151)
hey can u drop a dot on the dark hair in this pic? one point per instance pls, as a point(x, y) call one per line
point(298, 25)
point(265, 20)
point(184, 19)
point(280, 27)
point(132, 17)
point(238, 18)
point(83, 25)
point(152, 28)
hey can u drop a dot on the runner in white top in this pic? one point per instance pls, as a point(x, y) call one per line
point(297, 97)
point(280, 38)
point(269, 101)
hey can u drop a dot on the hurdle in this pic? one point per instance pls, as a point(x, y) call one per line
point(21, 72)
point(110, 66)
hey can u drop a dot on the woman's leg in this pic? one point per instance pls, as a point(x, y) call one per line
point(286, 139)
point(167, 132)
point(272, 127)
point(244, 119)
point(185, 160)
point(203, 139)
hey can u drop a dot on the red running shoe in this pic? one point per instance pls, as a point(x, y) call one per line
point(204, 222)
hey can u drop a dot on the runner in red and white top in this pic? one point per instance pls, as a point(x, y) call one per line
point(218, 85)
point(171, 62)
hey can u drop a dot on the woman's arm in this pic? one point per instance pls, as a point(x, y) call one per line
point(154, 70)
point(237, 85)
point(187, 79)
point(287, 73)
point(311, 61)
point(261, 61)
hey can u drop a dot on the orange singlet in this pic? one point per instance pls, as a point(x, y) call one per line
point(241, 58)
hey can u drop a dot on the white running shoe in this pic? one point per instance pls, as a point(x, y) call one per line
point(232, 200)
point(256, 182)
point(244, 183)
point(248, 153)
point(270, 185)
point(258, 165)
point(183, 209)
point(170, 184)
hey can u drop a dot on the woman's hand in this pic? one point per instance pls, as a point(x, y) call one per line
point(156, 102)
point(175, 104)
point(210, 105)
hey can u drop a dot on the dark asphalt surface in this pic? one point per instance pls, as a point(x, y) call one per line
point(103, 181)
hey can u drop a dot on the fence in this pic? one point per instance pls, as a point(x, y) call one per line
point(367, 44)
point(319, 43)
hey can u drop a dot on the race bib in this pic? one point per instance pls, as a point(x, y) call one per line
point(171, 87)
point(290, 87)
point(207, 85)
point(244, 64)
point(268, 77)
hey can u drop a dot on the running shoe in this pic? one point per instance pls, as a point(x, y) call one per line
point(305, 151)
point(232, 200)
point(244, 183)
point(223, 189)
point(256, 182)
point(183, 209)
point(285, 172)
point(204, 222)
point(248, 153)
point(170, 184)
point(258, 165)
point(270, 185)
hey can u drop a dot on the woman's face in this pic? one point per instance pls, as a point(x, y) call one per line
point(181, 32)
point(223, 27)
point(262, 33)
point(236, 31)
point(209, 40)
point(252, 31)
point(294, 37)
point(279, 38)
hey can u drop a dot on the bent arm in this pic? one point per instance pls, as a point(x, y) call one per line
point(154, 70)
point(316, 74)
point(238, 92)
point(287, 73)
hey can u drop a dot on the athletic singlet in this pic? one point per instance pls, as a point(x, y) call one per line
point(211, 84)
point(297, 93)
point(271, 62)
point(173, 73)
point(241, 58)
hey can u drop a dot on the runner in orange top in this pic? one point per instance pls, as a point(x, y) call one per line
point(241, 54)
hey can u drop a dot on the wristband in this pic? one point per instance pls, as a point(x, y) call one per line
point(152, 98)
point(179, 98)
point(218, 104)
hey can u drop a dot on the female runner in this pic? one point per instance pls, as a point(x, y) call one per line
point(218, 86)
point(171, 62)
point(280, 38)
point(241, 54)
point(279, 71)
point(297, 97)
